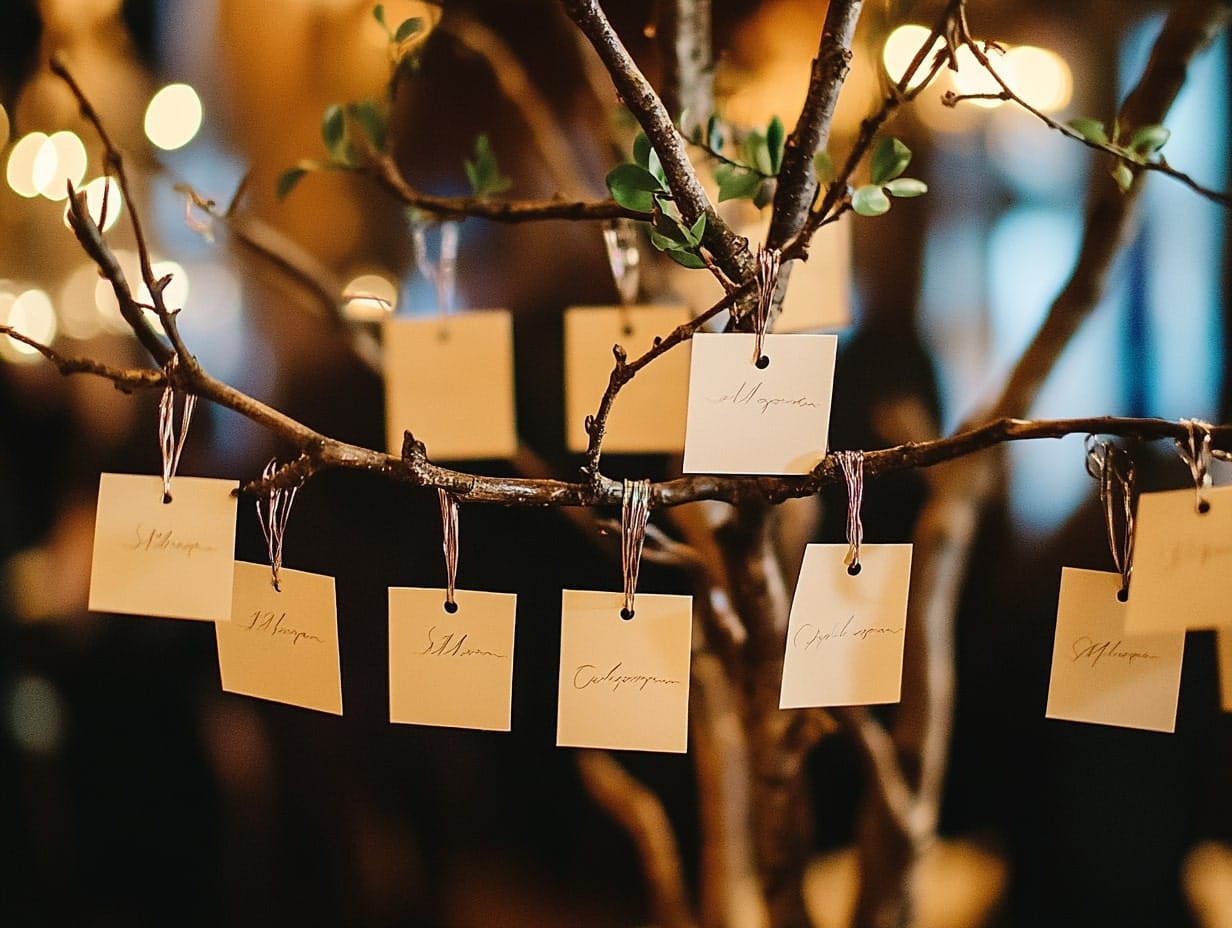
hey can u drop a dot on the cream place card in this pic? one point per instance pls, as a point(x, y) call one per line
point(282, 644)
point(769, 417)
point(624, 684)
point(649, 412)
point(1182, 562)
point(452, 669)
point(845, 632)
point(163, 559)
point(449, 381)
point(1102, 674)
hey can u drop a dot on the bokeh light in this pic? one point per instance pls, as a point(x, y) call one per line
point(901, 47)
point(1041, 77)
point(97, 191)
point(31, 163)
point(67, 157)
point(369, 298)
point(31, 314)
point(973, 78)
point(173, 117)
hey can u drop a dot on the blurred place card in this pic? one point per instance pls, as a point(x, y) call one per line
point(174, 559)
point(845, 632)
point(818, 294)
point(451, 669)
point(624, 684)
point(1182, 562)
point(1223, 652)
point(449, 381)
point(1103, 675)
point(649, 412)
point(282, 645)
point(745, 419)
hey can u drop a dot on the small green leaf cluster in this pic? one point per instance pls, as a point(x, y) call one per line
point(341, 126)
point(483, 172)
point(889, 161)
point(1141, 147)
point(750, 172)
point(402, 41)
point(642, 185)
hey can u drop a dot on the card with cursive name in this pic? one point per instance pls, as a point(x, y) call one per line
point(1223, 653)
point(845, 632)
point(282, 645)
point(450, 383)
point(746, 419)
point(1101, 673)
point(172, 560)
point(624, 684)
point(1182, 562)
point(451, 669)
point(648, 414)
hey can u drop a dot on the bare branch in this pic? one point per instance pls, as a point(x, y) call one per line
point(125, 379)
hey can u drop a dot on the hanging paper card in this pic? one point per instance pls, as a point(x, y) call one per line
point(451, 669)
point(1102, 674)
point(624, 684)
point(282, 645)
point(449, 381)
point(745, 419)
point(1182, 562)
point(1223, 651)
point(163, 559)
point(845, 633)
point(649, 412)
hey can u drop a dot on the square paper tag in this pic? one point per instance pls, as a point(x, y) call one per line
point(282, 646)
point(163, 559)
point(845, 633)
point(624, 684)
point(1182, 562)
point(1100, 673)
point(1223, 653)
point(648, 414)
point(451, 669)
point(745, 419)
point(450, 382)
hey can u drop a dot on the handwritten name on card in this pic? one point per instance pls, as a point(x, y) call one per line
point(745, 419)
point(451, 669)
point(845, 633)
point(624, 684)
point(1182, 562)
point(282, 645)
point(172, 560)
point(450, 382)
point(1102, 674)
point(649, 412)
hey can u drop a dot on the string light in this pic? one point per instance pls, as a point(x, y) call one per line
point(173, 117)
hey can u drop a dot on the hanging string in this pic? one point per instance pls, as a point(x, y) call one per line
point(624, 258)
point(449, 543)
point(273, 519)
point(1114, 469)
point(1195, 451)
point(170, 445)
point(852, 465)
point(634, 514)
point(444, 273)
point(767, 282)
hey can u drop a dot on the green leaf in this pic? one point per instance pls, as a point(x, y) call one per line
point(735, 183)
point(697, 230)
point(288, 179)
point(714, 132)
point(765, 193)
point(668, 232)
point(408, 28)
point(1147, 140)
point(371, 120)
point(1123, 176)
point(823, 166)
point(655, 167)
point(906, 187)
point(378, 13)
point(774, 144)
point(685, 258)
point(870, 200)
point(483, 172)
point(756, 153)
point(641, 150)
point(890, 158)
point(1090, 129)
point(633, 187)
point(333, 132)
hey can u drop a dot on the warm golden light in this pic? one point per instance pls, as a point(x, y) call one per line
point(173, 117)
point(67, 156)
point(4, 126)
point(31, 314)
point(96, 191)
point(369, 298)
point(973, 78)
point(901, 47)
point(175, 294)
point(31, 164)
point(1041, 77)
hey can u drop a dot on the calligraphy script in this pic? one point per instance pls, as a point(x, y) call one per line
point(747, 395)
point(275, 624)
point(165, 540)
point(446, 646)
point(587, 676)
point(1190, 552)
point(1087, 648)
point(811, 637)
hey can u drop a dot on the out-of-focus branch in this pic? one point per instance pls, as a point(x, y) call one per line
point(684, 34)
point(126, 379)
